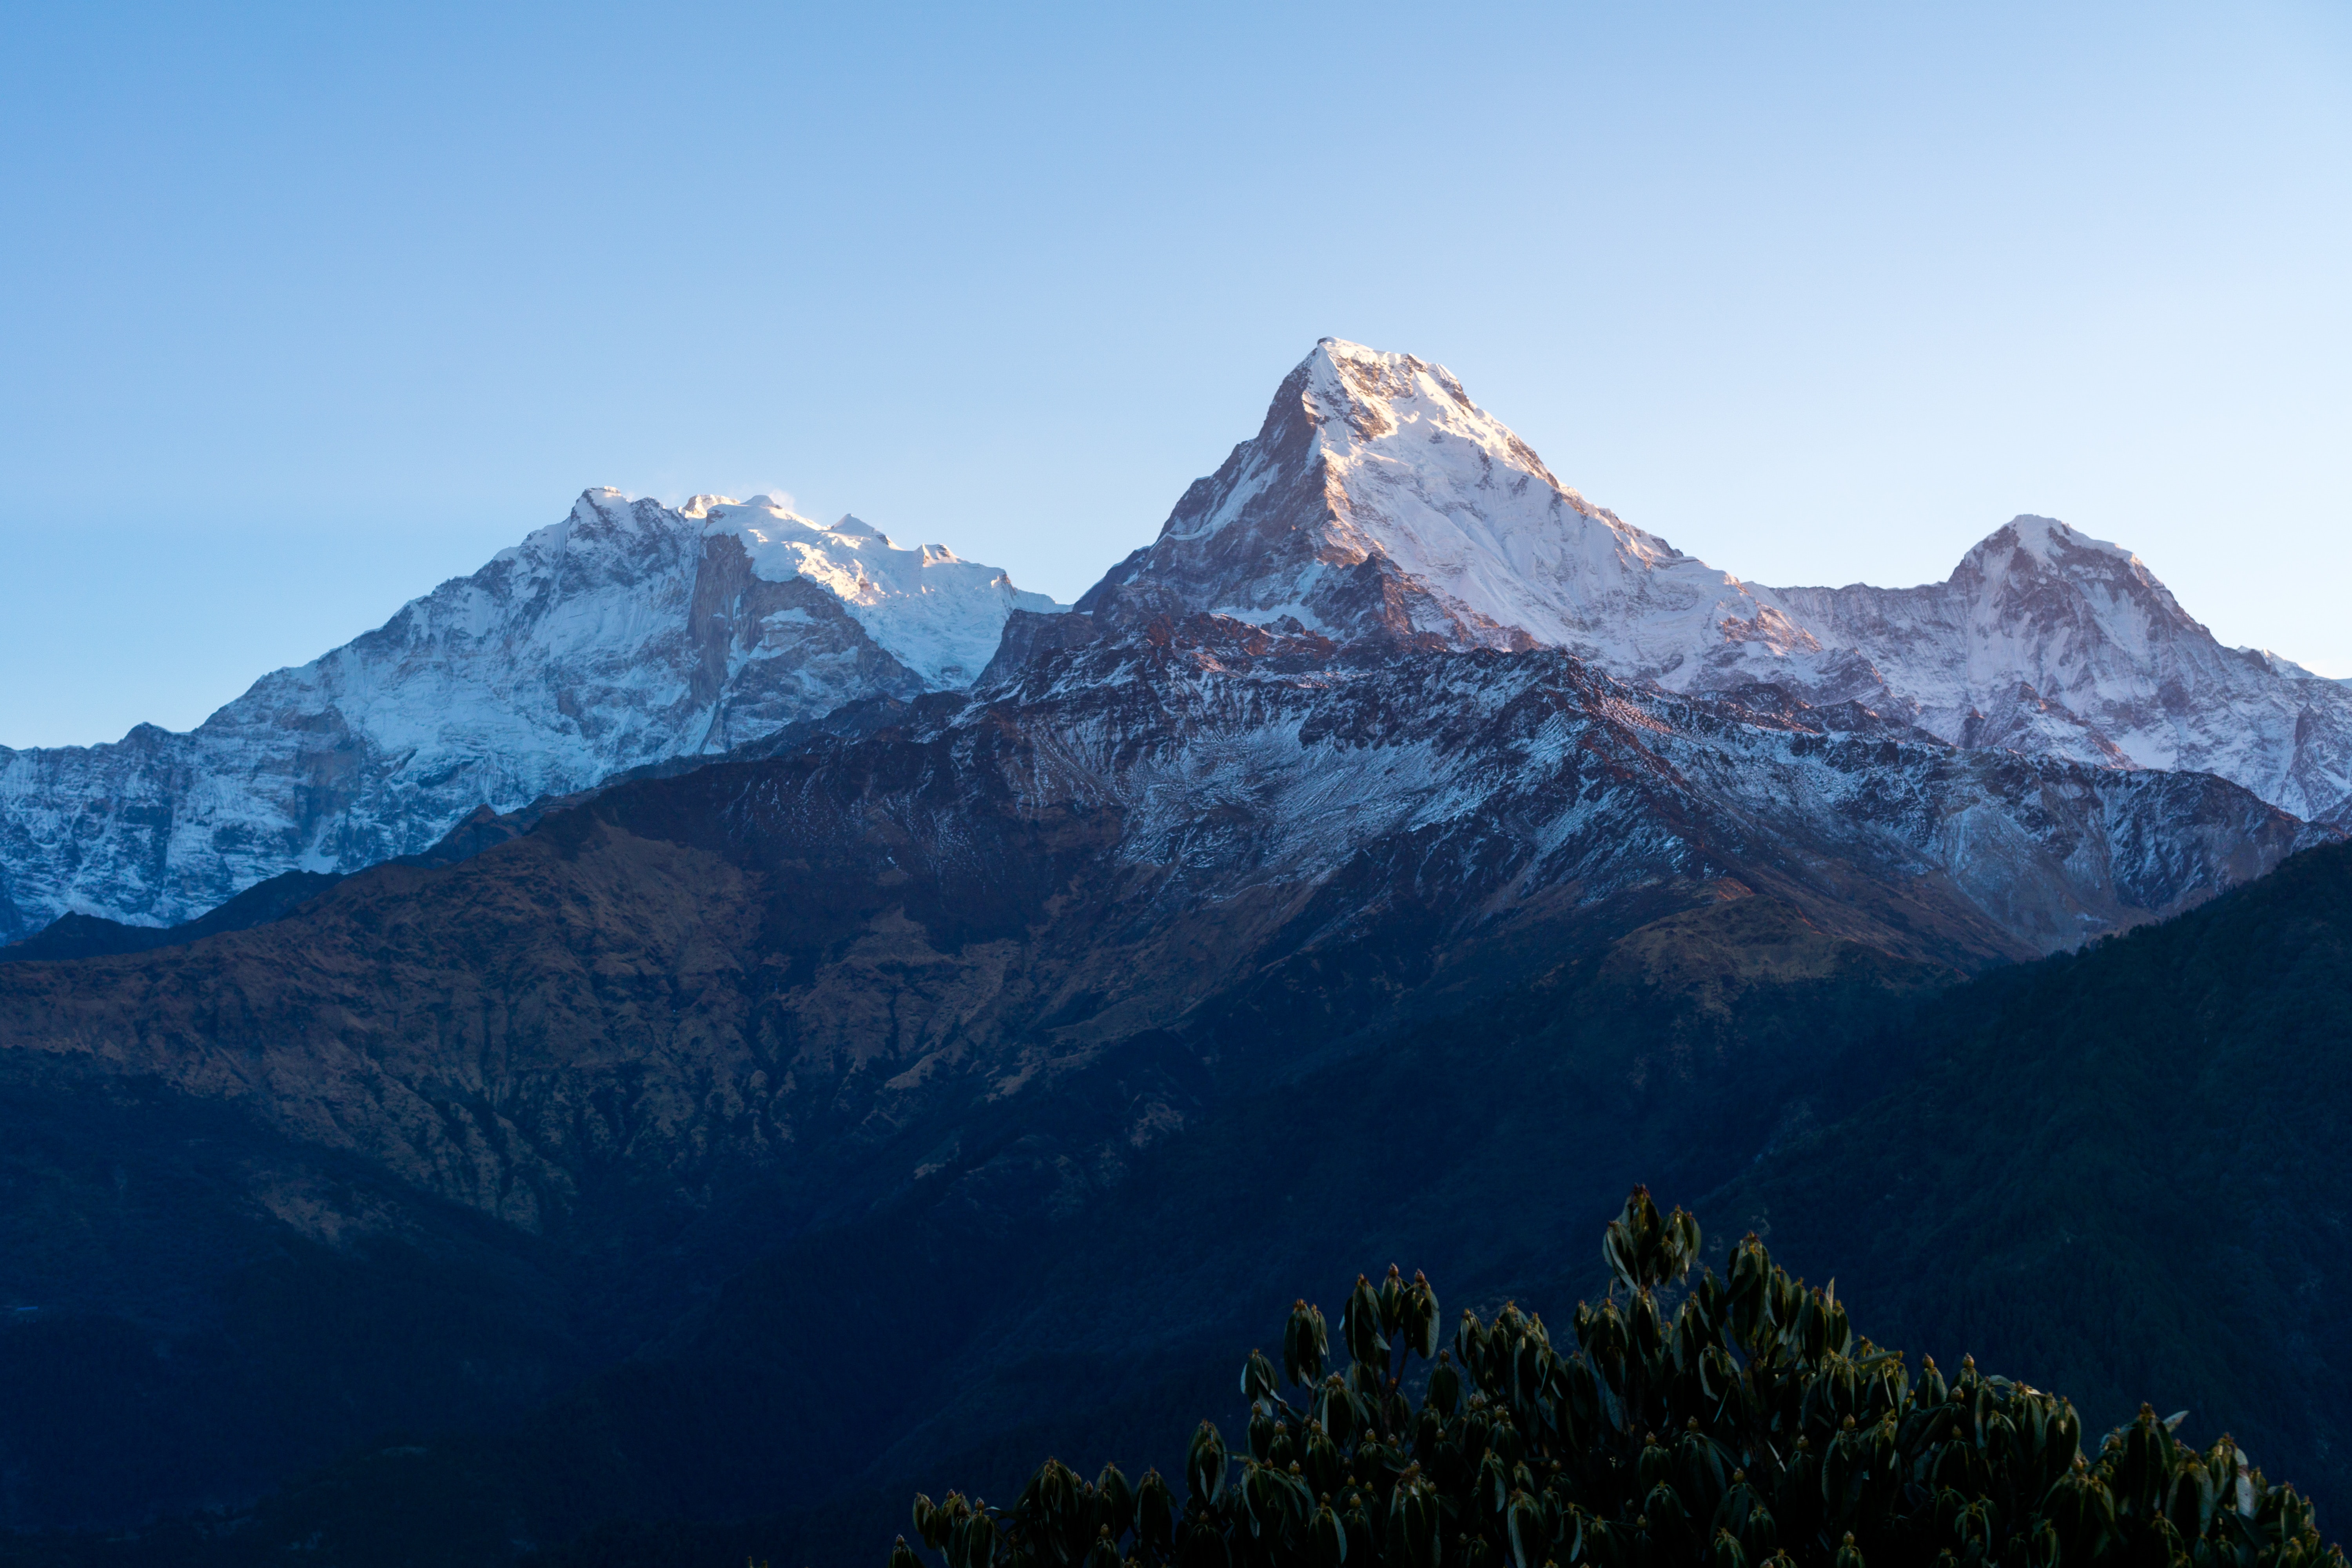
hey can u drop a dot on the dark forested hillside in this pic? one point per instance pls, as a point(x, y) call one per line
point(923, 1335)
point(2118, 1175)
point(2125, 1174)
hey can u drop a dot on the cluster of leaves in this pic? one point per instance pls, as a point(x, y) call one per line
point(1750, 1426)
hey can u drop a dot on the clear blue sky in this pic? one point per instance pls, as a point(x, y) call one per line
point(303, 308)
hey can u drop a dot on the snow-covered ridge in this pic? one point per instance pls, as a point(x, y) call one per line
point(628, 633)
point(1377, 501)
point(936, 614)
point(2046, 640)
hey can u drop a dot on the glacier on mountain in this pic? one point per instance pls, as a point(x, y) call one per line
point(628, 633)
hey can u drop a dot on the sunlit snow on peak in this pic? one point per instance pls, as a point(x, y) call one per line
point(939, 615)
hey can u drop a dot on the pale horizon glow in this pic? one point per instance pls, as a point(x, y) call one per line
point(307, 311)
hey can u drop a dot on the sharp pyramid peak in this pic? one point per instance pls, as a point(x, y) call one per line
point(1361, 373)
point(1378, 498)
point(1368, 399)
point(2045, 539)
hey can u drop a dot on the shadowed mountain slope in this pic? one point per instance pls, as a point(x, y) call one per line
point(2122, 1174)
point(2114, 1174)
point(782, 965)
point(2108, 1173)
point(1014, 1289)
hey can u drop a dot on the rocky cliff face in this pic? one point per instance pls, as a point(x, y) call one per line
point(627, 633)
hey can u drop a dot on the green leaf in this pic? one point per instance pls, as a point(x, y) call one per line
point(1257, 1377)
point(1359, 1326)
point(1306, 1343)
point(1205, 1465)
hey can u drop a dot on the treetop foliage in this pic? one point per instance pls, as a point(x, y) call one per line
point(1750, 1426)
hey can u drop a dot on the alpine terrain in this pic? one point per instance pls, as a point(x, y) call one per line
point(1397, 839)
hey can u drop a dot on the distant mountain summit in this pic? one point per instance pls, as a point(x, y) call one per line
point(629, 632)
point(1376, 501)
point(1376, 504)
point(2046, 640)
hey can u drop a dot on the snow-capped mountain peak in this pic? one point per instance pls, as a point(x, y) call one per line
point(626, 634)
point(1376, 500)
point(2031, 564)
point(1445, 490)
point(2044, 638)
